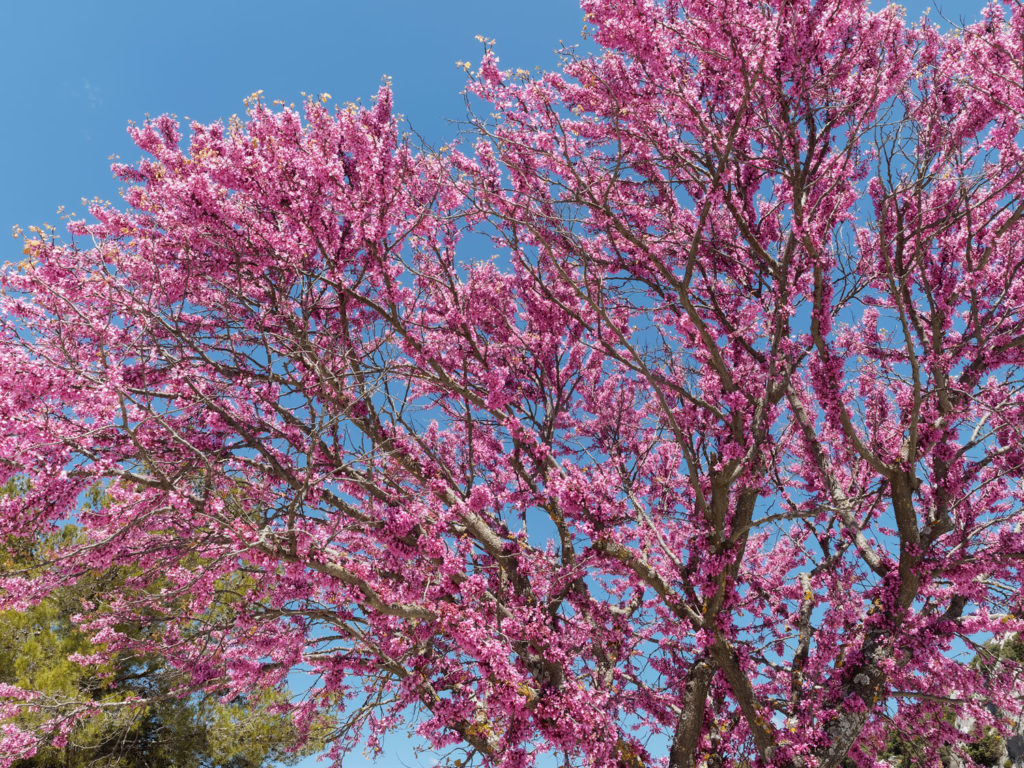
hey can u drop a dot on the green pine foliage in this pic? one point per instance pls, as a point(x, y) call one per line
point(169, 732)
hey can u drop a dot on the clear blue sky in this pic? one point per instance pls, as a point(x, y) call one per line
point(73, 74)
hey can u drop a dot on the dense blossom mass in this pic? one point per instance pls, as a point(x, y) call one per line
point(671, 418)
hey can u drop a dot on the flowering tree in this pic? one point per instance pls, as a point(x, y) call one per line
point(716, 462)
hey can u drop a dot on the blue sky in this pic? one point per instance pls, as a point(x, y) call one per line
point(74, 73)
